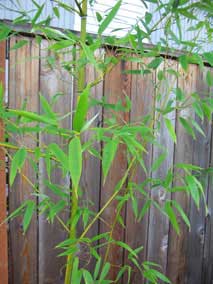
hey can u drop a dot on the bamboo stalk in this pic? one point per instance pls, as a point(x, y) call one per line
point(74, 197)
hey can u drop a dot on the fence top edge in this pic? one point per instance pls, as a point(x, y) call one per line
point(169, 54)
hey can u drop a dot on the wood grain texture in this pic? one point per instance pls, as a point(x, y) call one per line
point(158, 224)
point(53, 80)
point(116, 86)
point(177, 252)
point(207, 267)
point(23, 87)
point(91, 175)
point(201, 156)
point(3, 198)
point(142, 99)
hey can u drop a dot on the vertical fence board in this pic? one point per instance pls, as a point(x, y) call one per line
point(142, 99)
point(201, 155)
point(158, 224)
point(52, 81)
point(207, 273)
point(207, 267)
point(3, 201)
point(185, 258)
point(183, 154)
point(23, 74)
point(116, 86)
point(91, 175)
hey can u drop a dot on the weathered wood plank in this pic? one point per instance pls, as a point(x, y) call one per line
point(3, 198)
point(158, 224)
point(201, 155)
point(177, 265)
point(23, 87)
point(207, 267)
point(116, 86)
point(142, 99)
point(52, 81)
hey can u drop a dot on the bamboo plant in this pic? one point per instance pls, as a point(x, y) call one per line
point(136, 136)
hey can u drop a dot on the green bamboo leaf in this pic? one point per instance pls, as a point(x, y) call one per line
point(76, 273)
point(30, 207)
point(109, 152)
point(121, 273)
point(148, 18)
point(87, 277)
point(75, 161)
point(55, 209)
point(208, 56)
point(89, 54)
point(145, 209)
point(81, 111)
point(97, 268)
point(193, 188)
point(172, 217)
point(182, 213)
point(32, 116)
point(198, 128)
point(135, 206)
point(57, 190)
point(61, 44)
point(179, 94)
point(187, 126)
point(89, 122)
point(15, 213)
point(53, 33)
point(17, 163)
point(56, 12)
point(127, 248)
point(47, 108)
point(104, 272)
point(170, 128)
point(198, 109)
point(155, 63)
point(98, 17)
point(59, 154)
point(19, 44)
point(209, 78)
point(207, 110)
point(4, 31)
point(160, 276)
point(157, 163)
point(37, 14)
point(188, 167)
point(109, 18)
point(183, 62)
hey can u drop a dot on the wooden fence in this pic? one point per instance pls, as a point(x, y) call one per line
point(186, 258)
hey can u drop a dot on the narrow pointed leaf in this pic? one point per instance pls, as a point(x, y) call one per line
point(157, 163)
point(75, 160)
point(172, 217)
point(170, 128)
point(187, 126)
point(109, 152)
point(109, 17)
point(59, 154)
point(28, 214)
point(81, 111)
point(17, 163)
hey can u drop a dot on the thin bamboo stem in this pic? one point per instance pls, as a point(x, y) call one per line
point(74, 197)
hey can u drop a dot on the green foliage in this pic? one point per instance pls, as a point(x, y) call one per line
point(109, 152)
point(105, 23)
point(137, 139)
point(17, 163)
point(75, 161)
